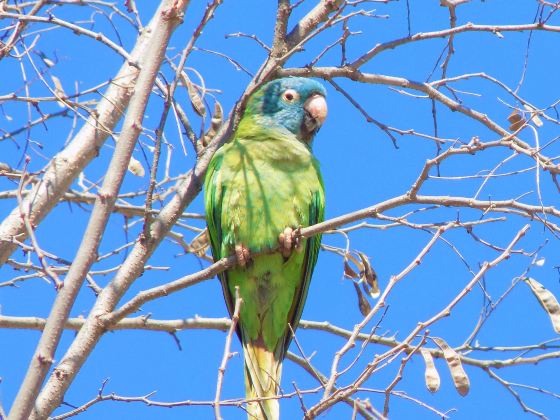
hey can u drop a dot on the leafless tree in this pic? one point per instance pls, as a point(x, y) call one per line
point(481, 208)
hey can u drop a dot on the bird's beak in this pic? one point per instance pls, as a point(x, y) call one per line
point(315, 112)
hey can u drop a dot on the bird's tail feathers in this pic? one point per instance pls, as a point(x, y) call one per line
point(263, 370)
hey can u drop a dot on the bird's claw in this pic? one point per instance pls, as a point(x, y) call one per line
point(243, 255)
point(289, 240)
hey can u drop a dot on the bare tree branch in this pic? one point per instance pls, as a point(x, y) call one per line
point(44, 354)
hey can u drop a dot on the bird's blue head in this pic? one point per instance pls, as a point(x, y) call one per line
point(294, 103)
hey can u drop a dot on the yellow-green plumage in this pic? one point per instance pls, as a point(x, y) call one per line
point(262, 181)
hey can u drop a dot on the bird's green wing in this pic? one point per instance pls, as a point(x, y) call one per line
point(316, 215)
point(214, 190)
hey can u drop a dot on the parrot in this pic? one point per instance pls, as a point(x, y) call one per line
point(261, 187)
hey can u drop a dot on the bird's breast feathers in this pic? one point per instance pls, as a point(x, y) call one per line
point(270, 186)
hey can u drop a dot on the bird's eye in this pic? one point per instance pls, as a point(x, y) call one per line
point(290, 95)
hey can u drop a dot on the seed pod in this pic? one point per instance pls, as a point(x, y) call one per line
point(431, 374)
point(548, 301)
point(460, 378)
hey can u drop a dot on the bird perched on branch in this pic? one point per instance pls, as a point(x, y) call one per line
point(261, 187)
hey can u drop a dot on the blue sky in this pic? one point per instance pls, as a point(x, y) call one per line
point(361, 167)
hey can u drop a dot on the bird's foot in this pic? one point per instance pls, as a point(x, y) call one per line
point(243, 255)
point(289, 240)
